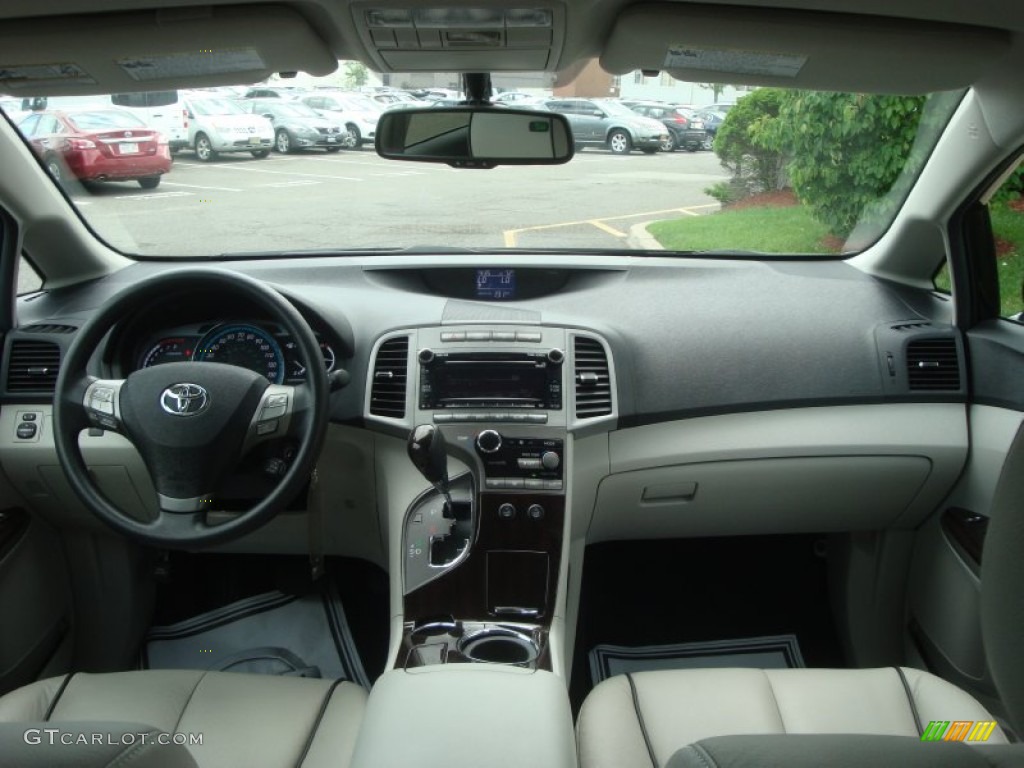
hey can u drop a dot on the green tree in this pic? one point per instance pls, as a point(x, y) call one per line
point(747, 147)
point(356, 74)
point(844, 151)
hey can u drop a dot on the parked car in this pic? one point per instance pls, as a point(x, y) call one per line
point(273, 92)
point(684, 129)
point(98, 145)
point(519, 99)
point(358, 113)
point(219, 125)
point(712, 122)
point(297, 126)
point(163, 111)
point(610, 124)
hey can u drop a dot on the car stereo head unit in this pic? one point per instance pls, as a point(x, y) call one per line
point(531, 380)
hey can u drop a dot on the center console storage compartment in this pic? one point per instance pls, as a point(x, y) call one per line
point(466, 716)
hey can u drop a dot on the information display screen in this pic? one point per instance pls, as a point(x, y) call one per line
point(499, 284)
point(469, 381)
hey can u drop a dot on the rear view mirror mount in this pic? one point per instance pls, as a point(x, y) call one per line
point(474, 136)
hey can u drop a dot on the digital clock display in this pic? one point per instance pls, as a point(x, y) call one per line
point(498, 284)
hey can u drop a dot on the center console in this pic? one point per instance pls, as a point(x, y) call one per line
point(489, 413)
point(483, 554)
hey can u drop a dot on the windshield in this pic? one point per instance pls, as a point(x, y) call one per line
point(293, 110)
point(614, 108)
point(211, 107)
point(785, 172)
point(104, 121)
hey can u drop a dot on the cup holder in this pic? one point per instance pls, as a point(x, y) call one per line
point(496, 645)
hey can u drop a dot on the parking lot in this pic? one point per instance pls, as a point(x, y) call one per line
point(355, 199)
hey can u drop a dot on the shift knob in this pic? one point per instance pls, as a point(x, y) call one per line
point(426, 451)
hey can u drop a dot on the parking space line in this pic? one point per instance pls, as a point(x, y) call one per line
point(511, 235)
point(154, 196)
point(198, 186)
point(605, 228)
point(277, 173)
point(296, 183)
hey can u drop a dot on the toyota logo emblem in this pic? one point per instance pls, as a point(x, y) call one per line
point(184, 399)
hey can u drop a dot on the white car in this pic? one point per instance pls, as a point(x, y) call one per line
point(358, 113)
point(219, 125)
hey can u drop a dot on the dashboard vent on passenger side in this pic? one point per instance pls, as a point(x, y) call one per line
point(48, 328)
point(911, 326)
point(932, 364)
point(33, 366)
point(390, 375)
point(592, 381)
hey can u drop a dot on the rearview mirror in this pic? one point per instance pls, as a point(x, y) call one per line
point(474, 137)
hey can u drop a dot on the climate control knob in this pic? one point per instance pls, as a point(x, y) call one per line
point(550, 460)
point(488, 441)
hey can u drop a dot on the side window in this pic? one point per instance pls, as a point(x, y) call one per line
point(28, 125)
point(47, 125)
point(1006, 210)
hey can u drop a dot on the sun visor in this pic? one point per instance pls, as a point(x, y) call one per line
point(796, 49)
point(115, 53)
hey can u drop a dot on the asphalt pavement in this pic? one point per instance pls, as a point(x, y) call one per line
point(355, 199)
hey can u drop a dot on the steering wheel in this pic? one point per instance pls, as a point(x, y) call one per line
point(190, 422)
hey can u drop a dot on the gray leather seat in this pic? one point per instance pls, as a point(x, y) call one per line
point(257, 721)
point(644, 718)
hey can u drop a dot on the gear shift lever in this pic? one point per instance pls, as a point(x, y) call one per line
point(426, 451)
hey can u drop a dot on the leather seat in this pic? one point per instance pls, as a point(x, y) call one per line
point(643, 719)
point(259, 721)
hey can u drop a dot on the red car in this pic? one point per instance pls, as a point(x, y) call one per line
point(98, 145)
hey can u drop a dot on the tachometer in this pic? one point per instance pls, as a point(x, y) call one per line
point(172, 350)
point(246, 346)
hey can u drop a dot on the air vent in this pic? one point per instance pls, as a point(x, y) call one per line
point(932, 365)
point(33, 366)
point(911, 326)
point(48, 328)
point(593, 384)
point(390, 374)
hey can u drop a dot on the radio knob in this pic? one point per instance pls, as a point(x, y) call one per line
point(550, 460)
point(488, 441)
point(556, 356)
point(426, 356)
point(535, 512)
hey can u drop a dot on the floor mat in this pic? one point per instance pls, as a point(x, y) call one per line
point(272, 633)
point(771, 652)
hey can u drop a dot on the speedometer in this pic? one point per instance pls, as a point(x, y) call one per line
point(246, 346)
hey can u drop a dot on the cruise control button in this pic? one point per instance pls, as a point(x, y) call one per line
point(267, 428)
point(276, 400)
point(273, 412)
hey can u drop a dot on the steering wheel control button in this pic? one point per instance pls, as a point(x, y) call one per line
point(535, 512)
point(507, 511)
point(550, 460)
point(26, 431)
point(488, 441)
point(266, 428)
point(275, 406)
point(184, 399)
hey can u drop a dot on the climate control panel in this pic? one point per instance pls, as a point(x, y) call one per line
point(520, 463)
